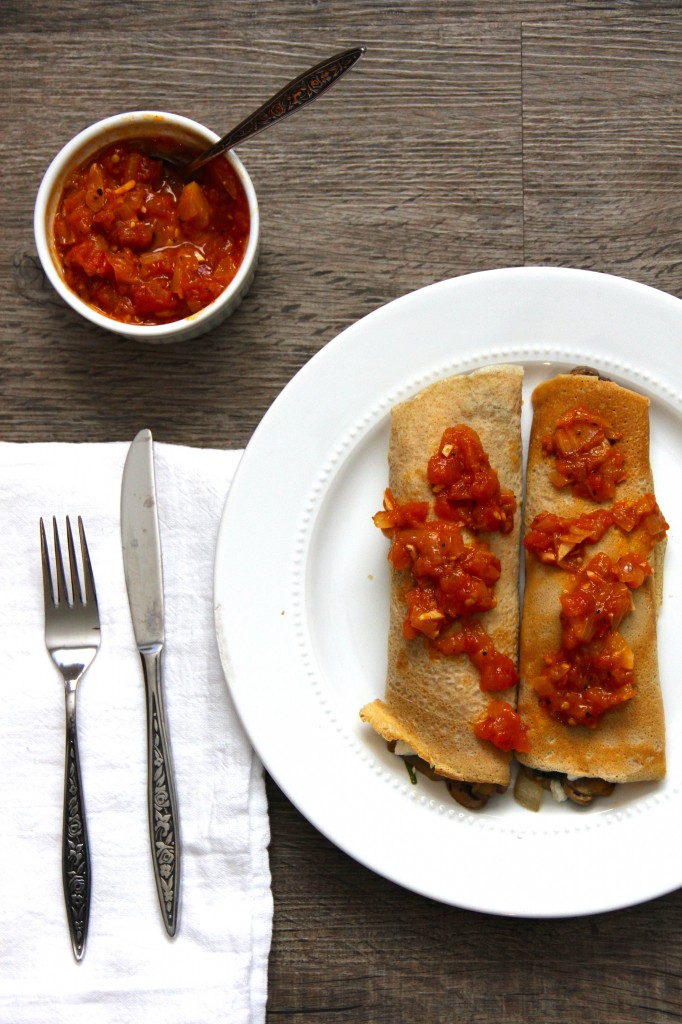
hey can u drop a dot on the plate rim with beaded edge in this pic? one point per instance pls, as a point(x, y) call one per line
point(301, 593)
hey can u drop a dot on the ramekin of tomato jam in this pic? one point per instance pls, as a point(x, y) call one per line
point(132, 245)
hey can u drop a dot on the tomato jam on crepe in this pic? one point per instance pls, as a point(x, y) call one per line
point(592, 672)
point(467, 488)
point(587, 456)
point(561, 540)
point(451, 581)
point(502, 726)
point(589, 690)
point(451, 578)
point(454, 594)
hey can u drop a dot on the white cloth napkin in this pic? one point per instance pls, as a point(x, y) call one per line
point(216, 967)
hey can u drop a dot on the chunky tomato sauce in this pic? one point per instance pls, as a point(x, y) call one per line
point(593, 670)
point(466, 487)
point(580, 686)
point(501, 725)
point(600, 597)
point(142, 246)
point(587, 455)
point(561, 540)
point(452, 579)
point(497, 671)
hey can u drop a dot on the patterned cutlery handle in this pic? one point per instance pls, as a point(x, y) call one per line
point(161, 796)
point(76, 874)
point(302, 89)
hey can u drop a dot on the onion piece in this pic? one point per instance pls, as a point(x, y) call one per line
point(528, 791)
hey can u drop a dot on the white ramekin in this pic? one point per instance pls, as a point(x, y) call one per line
point(140, 124)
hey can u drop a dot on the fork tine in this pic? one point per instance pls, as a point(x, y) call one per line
point(48, 591)
point(62, 593)
point(73, 565)
point(88, 579)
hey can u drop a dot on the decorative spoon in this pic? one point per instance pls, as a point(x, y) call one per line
point(301, 90)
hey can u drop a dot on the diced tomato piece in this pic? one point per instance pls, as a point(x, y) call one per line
point(502, 726)
point(497, 671)
point(154, 297)
point(193, 207)
point(125, 266)
point(201, 292)
point(467, 488)
point(587, 454)
point(221, 173)
point(91, 258)
point(133, 233)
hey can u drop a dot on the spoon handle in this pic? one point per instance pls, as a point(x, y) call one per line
point(300, 90)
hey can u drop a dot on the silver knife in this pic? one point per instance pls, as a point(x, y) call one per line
point(144, 580)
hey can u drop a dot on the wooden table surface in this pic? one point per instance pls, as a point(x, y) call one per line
point(472, 135)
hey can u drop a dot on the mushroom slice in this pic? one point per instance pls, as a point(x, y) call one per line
point(583, 791)
point(588, 371)
point(473, 795)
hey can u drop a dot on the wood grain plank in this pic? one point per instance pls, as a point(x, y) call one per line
point(209, 16)
point(472, 135)
point(603, 148)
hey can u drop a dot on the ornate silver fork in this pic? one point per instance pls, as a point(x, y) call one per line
point(72, 636)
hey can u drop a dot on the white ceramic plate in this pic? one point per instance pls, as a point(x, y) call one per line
point(301, 591)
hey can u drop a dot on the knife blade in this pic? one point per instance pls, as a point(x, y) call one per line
point(141, 543)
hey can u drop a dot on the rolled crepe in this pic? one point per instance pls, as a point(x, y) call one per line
point(628, 744)
point(430, 703)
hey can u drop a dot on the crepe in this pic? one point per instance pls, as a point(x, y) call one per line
point(628, 744)
point(430, 703)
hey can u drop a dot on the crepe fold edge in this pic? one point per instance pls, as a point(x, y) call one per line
point(431, 703)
